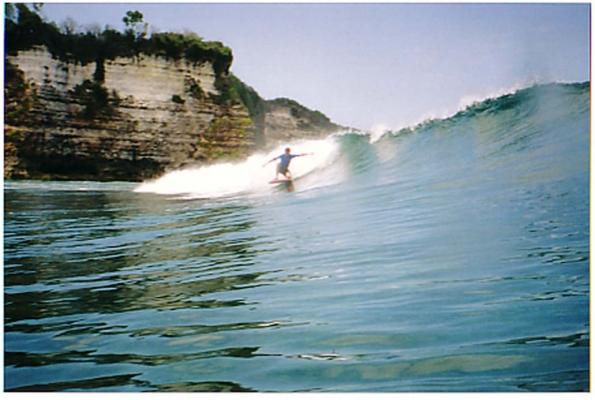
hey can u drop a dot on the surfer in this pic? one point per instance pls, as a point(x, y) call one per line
point(284, 160)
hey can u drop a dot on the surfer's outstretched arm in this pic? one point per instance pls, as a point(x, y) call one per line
point(270, 161)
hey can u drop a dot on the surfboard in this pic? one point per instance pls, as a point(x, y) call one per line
point(276, 181)
point(283, 184)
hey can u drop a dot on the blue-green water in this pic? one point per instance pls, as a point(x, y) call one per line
point(453, 256)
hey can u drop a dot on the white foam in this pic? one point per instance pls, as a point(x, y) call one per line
point(377, 131)
point(248, 176)
point(471, 99)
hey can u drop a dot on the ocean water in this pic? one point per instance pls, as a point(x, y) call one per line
point(450, 256)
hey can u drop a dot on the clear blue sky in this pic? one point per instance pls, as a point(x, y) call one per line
point(366, 65)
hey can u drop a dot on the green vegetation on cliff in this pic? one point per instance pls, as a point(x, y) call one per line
point(96, 100)
point(25, 28)
point(255, 104)
point(19, 97)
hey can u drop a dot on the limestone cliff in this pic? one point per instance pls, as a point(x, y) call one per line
point(155, 115)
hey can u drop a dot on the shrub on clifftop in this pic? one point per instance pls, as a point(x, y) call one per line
point(25, 28)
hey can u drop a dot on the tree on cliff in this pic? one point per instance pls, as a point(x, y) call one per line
point(135, 26)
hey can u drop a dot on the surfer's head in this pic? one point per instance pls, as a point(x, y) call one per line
point(287, 150)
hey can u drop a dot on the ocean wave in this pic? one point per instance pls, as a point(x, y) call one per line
point(507, 122)
point(498, 100)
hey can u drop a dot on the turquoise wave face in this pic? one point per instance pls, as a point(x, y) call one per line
point(452, 256)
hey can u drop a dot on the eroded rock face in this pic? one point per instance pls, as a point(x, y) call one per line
point(148, 115)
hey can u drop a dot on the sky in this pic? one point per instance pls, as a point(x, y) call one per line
point(376, 66)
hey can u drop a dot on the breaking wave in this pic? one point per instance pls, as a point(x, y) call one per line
point(487, 128)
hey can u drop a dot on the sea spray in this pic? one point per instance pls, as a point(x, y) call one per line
point(248, 176)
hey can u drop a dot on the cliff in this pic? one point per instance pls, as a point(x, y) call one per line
point(149, 115)
point(83, 107)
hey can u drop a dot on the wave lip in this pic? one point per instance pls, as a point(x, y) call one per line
point(470, 106)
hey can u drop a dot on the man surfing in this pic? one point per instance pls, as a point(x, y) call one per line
point(283, 165)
